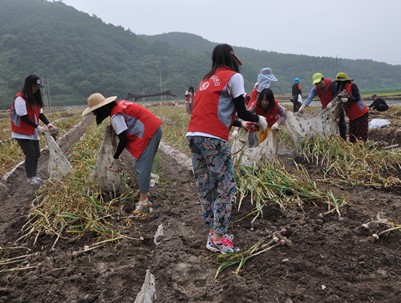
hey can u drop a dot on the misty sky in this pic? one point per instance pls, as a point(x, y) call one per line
point(354, 29)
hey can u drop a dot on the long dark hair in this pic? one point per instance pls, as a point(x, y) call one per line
point(222, 55)
point(31, 98)
point(268, 94)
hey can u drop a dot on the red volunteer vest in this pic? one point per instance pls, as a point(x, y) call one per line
point(325, 95)
point(254, 96)
point(271, 116)
point(213, 110)
point(141, 122)
point(18, 125)
point(354, 110)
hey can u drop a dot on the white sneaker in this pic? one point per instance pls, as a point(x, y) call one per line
point(33, 182)
point(39, 179)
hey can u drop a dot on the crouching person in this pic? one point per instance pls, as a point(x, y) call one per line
point(139, 131)
point(268, 107)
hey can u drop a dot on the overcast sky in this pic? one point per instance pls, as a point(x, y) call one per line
point(354, 29)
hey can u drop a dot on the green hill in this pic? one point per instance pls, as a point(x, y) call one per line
point(368, 74)
point(77, 54)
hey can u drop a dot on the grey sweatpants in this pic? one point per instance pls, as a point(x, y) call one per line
point(144, 163)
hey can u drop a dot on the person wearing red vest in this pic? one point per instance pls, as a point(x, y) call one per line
point(139, 132)
point(218, 98)
point(267, 106)
point(25, 112)
point(264, 80)
point(354, 106)
point(325, 89)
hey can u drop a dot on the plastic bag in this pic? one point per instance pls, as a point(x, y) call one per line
point(379, 123)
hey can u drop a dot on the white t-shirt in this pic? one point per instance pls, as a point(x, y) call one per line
point(236, 85)
point(118, 123)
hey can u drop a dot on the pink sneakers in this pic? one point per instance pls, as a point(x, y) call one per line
point(224, 246)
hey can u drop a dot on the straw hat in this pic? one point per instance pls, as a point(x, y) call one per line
point(96, 101)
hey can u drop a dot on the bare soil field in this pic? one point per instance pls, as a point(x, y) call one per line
point(330, 260)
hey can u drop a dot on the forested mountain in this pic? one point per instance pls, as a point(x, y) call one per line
point(368, 74)
point(77, 54)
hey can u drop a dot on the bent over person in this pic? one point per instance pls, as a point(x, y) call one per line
point(326, 90)
point(139, 132)
point(378, 104)
point(354, 107)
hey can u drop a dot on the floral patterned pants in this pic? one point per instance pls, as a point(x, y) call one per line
point(214, 176)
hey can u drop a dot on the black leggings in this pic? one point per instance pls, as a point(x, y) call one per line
point(296, 103)
point(342, 126)
point(31, 151)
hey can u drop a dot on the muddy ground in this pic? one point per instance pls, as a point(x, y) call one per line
point(330, 260)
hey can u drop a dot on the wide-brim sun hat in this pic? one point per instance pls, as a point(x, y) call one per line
point(96, 101)
point(316, 78)
point(266, 74)
point(265, 78)
point(343, 77)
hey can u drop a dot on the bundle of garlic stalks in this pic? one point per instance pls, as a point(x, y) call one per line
point(346, 163)
point(65, 210)
point(277, 238)
point(272, 183)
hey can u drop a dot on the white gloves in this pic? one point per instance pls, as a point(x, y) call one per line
point(41, 129)
point(343, 96)
point(52, 129)
point(250, 127)
point(275, 126)
point(302, 109)
point(116, 166)
point(262, 123)
point(234, 134)
point(244, 124)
